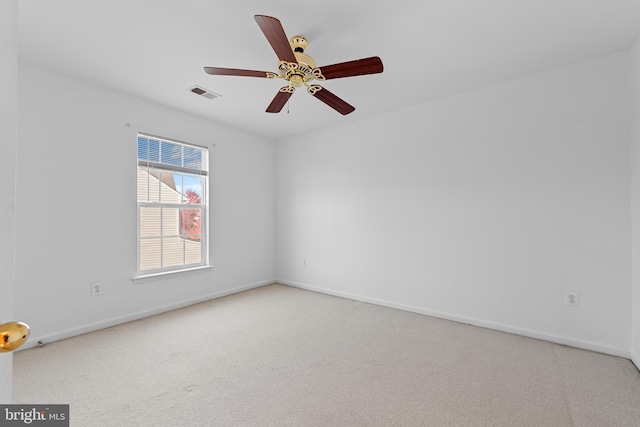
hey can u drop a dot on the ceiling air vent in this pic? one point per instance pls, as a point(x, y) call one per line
point(204, 92)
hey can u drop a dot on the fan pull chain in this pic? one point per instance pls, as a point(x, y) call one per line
point(288, 107)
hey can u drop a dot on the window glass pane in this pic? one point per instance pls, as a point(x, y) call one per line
point(172, 251)
point(170, 222)
point(150, 254)
point(148, 188)
point(143, 148)
point(192, 187)
point(178, 180)
point(150, 222)
point(154, 150)
point(171, 154)
point(168, 191)
point(143, 185)
point(193, 251)
point(193, 158)
point(190, 223)
point(155, 185)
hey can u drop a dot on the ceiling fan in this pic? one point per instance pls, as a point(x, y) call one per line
point(300, 69)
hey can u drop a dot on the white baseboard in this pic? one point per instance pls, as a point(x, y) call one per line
point(558, 339)
point(34, 341)
point(635, 358)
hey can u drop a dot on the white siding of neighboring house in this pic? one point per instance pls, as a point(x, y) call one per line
point(175, 250)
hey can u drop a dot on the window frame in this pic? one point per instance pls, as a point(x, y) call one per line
point(203, 173)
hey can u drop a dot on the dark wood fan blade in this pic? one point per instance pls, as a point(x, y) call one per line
point(273, 31)
point(358, 67)
point(331, 100)
point(278, 102)
point(216, 71)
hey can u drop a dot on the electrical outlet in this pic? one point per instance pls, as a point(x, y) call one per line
point(572, 298)
point(96, 289)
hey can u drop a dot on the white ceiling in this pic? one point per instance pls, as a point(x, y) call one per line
point(430, 49)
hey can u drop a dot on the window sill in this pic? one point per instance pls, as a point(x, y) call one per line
point(166, 274)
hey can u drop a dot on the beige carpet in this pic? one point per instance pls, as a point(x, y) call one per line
point(279, 356)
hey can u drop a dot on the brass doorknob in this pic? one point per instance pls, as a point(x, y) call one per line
point(13, 335)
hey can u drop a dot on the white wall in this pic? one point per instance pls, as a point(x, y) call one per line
point(482, 207)
point(77, 206)
point(8, 149)
point(635, 199)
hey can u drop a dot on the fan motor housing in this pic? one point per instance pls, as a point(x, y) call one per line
point(301, 72)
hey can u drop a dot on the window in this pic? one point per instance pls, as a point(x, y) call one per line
point(172, 181)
